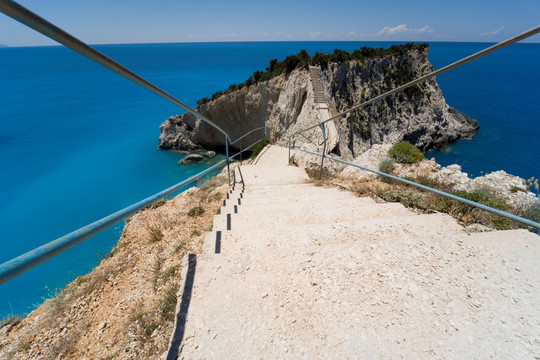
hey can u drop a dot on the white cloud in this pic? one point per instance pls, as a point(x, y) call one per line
point(315, 34)
point(403, 29)
point(230, 35)
point(495, 32)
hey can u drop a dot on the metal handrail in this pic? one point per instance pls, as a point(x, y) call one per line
point(465, 60)
point(22, 263)
point(34, 21)
point(32, 258)
point(25, 262)
point(436, 191)
point(247, 148)
point(246, 134)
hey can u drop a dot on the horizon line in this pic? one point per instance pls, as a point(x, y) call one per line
point(272, 41)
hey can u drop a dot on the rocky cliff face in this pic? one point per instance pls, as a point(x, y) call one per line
point(286, 104)
point(419, 114)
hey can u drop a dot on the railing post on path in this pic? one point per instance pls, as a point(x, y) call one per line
point(324, 148)
point(289, 149)
point(227, 155)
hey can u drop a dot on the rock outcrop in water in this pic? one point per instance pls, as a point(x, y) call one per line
point(286, 104)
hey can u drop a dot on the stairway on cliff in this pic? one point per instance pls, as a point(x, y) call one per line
point(292, 270)
point(323, 107)
point(317, 86)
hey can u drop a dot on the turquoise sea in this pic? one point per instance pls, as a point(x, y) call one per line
point(78, 142)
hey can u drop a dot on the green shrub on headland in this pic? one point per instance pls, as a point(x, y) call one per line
point(405, 152)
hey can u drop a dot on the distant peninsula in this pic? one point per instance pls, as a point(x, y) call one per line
point(302, 90)
point(3, 46)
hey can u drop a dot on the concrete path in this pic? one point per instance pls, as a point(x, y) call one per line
point(302, 272)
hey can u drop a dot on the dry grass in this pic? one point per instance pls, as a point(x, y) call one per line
point(425, 201)
point(154, 234)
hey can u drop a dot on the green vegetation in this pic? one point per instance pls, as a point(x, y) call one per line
point(158, 203)
point(302, 59)
point(145, 321)
point(275, 68)
point(259, 148)
point(426, 201)
point(405, 152)
point(387, 165)
point(363, 53)
point(168, 303)
point(213, 183)
point(195, 233)
point(196, 211)
point(532, 212)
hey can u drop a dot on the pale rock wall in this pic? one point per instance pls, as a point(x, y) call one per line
point(284, 105)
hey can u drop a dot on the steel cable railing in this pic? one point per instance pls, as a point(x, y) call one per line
point(432, 74)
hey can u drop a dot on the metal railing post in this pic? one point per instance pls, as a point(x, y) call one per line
point(227, 155)
point(324, 149)
point(289, 149)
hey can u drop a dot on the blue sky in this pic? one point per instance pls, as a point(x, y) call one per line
point(138, 21)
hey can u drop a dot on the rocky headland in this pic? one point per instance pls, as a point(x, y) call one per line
point(287, 103)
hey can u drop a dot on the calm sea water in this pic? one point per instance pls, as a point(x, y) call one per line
point(78, 142)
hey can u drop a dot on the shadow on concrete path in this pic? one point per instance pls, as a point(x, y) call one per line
point(181, 316)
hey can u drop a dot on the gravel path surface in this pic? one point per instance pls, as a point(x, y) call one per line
point(315, 273)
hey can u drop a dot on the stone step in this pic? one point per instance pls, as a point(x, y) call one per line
point(367, 230)
point(270, 216)
point(312, 198)
point(308, 270)
point(255, 176)
point(246, 204)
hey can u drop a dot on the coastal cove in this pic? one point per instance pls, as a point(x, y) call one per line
point(78, 142)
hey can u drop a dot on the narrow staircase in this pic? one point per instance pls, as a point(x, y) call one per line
point(317, 86)
point(292, 270)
